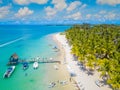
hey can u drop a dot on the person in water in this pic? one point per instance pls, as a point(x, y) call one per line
point(26, 74)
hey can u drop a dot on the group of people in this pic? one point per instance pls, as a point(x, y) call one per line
point(52, 84)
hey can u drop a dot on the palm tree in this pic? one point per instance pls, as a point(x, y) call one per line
point(98, 46)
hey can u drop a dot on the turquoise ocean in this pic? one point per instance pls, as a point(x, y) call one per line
point(28, 41)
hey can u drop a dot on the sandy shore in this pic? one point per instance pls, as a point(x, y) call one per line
point(61, 74)
point(84, 81)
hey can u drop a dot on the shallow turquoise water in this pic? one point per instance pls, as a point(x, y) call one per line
point(36, 42)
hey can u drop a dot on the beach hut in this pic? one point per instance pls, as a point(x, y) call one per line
point(13, 60)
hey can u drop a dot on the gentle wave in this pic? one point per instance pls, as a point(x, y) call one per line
point(10, 42)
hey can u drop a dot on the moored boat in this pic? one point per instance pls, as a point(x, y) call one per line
point(25, 65)
point(35, 65)
point(9, 71)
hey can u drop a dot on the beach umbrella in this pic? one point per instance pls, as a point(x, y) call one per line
point(72, 73)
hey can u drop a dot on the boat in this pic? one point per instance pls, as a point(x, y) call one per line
point(9, 72)
point(25, 65)
point(35, 65)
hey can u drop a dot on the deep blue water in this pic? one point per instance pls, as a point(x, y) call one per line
point(10, 32)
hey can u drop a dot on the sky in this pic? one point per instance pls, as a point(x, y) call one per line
point(59, 11)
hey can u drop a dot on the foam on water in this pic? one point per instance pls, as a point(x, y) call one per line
point(10, 42)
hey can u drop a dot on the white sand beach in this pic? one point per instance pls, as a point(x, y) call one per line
point(85, 81)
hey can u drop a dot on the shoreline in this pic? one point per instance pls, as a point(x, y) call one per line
point(83, 80)
point(57, 76)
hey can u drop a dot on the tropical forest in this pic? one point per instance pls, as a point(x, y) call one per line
point(97, 47)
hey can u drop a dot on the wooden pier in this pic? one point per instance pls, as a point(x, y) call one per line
point(44, 60)
point(40, 61)
point(14, 60)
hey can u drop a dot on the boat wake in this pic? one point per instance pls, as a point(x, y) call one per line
point(10, 42)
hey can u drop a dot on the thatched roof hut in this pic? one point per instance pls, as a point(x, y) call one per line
point(13, 58)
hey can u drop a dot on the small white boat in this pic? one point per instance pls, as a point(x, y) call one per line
point(9, 72)
point(35, 65)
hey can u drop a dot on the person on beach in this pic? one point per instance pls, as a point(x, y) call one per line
point(70, 79)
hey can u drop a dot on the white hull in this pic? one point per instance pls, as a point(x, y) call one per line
point(9, 72)
point(35, 65)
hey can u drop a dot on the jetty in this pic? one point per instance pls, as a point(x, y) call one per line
point(40, 61)
point(14, 60)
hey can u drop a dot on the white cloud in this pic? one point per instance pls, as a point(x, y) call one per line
point(88, 16)
point(59, 4)
point(73, 5)
point(22, 12)
point(83, 6)
point(109, 2)
point(21, 2)
point(110, 16)
point(39, 1)
point(0, 1)
point(75, 16)
point(97, 16)
point(50, 11)
point(24, 2)
point(4, 11)
point(105, 15)
point(102, 12)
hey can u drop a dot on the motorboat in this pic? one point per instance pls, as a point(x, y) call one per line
point(35, 65)
point(25, 65)
point(9, 71)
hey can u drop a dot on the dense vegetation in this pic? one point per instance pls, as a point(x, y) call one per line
point(98, 48)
